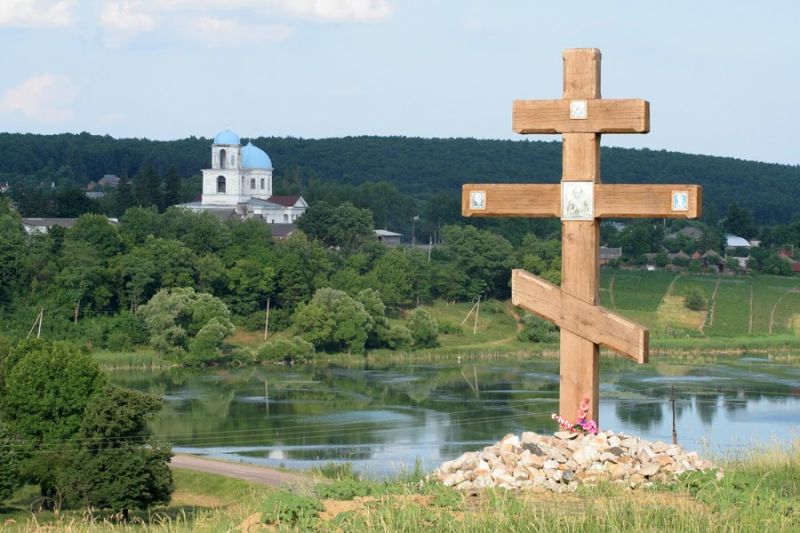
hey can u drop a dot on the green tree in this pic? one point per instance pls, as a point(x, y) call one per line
point(333, 321)
point(10, 476)
point(97, 232)
point(137, 275)
point(138, 223)
point(345, 226)
point(250, 284)
point(172, 189)
point(302, 266)
point(484, 258)
point(423, 328)
point(203, 232)
point(123, 198)
point(181, 320)
point(392, 278)
point(381, 333)
point(47, 387)
point(174, 261)
point(81, 276)
point(147, 188)
point(739, 221)
point(292, 350)
point(118, 464)
point(12, 249)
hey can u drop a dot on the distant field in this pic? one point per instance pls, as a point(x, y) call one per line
point(737, 306)
point(640, 290)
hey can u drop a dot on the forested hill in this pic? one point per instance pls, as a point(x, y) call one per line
point(416, 166)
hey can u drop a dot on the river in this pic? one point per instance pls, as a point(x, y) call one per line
point(385, 418)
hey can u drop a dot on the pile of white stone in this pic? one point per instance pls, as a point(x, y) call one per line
point(564, 460)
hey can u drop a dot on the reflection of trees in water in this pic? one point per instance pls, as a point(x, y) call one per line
point(706, 406)
point(643, 414)
point(341, 406)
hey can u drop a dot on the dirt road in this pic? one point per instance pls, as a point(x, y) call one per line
point(256, 474)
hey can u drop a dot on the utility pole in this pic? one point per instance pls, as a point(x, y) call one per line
point(674, 429)
point(266, 322)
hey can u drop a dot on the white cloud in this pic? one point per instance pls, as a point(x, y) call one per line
point(44, 98)
point(338, 10)
point(36, 13)
point(224, 32)
point(216, 22)
point(123, 19)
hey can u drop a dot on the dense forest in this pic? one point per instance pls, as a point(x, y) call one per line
point(420, 168)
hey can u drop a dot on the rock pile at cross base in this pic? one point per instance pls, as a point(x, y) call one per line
point(563, 461)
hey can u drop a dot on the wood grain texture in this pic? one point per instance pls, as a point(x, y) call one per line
point(579, 376)
point(580, 157)
point(591, 322)
point(643, 201)
point(534, 200)
point(580, 271)
point(581, 70)
point(512, 200)
point(604, 116)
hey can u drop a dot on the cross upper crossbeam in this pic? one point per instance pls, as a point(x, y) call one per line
point(580, 115)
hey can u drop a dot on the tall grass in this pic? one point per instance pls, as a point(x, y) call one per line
point(759, 492)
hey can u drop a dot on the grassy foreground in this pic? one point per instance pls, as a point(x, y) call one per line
point(758, 493)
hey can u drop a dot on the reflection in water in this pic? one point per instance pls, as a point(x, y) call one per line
point(385, 417)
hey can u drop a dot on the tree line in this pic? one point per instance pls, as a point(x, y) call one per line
point(420, 168)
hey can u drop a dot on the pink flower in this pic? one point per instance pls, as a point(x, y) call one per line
point(583, 423)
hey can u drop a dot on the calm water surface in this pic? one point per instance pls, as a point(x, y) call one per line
point(384, 418)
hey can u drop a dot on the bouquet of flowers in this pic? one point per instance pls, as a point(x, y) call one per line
point(582, 424)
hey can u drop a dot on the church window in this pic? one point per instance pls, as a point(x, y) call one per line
point(221, 184)
point(252, 183)
point(262, 184)
point(222, 156)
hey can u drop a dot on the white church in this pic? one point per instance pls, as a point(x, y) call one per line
point(239, 184)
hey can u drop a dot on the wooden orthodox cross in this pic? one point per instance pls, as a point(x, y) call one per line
point(580, 201)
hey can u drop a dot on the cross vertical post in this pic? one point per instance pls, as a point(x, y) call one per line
point(580, 274)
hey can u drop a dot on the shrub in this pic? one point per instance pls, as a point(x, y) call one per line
point(535, 329)
point(287, 508)
point(293, 350)
point(694, 300)
point(336, 470)
point(345, 489)
point(423, 328)
point(205, 347)
point(449, 328)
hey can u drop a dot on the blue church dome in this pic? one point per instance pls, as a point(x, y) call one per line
point(255, 157)
point(226, 137)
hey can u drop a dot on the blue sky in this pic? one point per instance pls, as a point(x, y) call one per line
point(722, 77)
